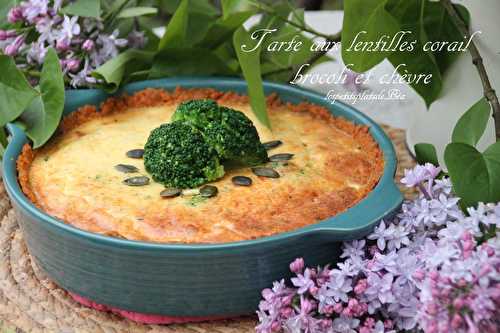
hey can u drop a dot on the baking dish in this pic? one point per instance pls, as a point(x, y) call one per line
point(188, 279)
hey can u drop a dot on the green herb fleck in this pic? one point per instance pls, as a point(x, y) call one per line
point(196, 200)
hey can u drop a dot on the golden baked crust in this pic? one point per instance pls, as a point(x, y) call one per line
point(336, 164)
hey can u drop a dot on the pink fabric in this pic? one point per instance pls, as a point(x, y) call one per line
point(142, 318)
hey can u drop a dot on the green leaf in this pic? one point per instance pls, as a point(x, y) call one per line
point(113, 71)
point(471, 125)
point(426, 153)
point(250, 66)
point(3, 141)
point(3, 137)
point(176, 31)
point(43, 115)
point(372, 17)
point(410, 15)
point(85, 8)
point(282, 58)
point(137, 11)
point(223, 28)
point(198, 6)
point(198, 28)
point(429, 23)
point(113, 6)
point(440, 27)
point(231, 7)
point(475, 176)
point(227, 54)
point(189, 61)
point(5, 6)
point(16, 93)
point(273, 19)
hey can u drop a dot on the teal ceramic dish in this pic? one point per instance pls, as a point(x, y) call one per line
point(190, 280)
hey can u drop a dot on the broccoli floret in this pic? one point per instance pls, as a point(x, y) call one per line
point(230, 132)
point(235, 138)
point(177, 155)
point(198, 112)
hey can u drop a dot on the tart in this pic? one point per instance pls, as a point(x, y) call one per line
point(336, 164)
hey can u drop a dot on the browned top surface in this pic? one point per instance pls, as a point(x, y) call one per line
point(336, 164)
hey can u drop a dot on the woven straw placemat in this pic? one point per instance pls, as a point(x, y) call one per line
point(30, 302)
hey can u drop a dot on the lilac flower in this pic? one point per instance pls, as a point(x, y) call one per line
point(380, 234)
point(435, 256)
point(33, 9)
point(345, 325)
point(453, 231)
point(407, 263)
point(420, 174)
point(379, 288)
point(399, 237)
point(435, 212)
point(394, 236)
point(15, 14)
point(354, 249)
point(108, 48)
point(386, 262)
point(69, 35)
point(6, 34)
point(71, 65)
point(414, 177)
point(351, 81)
point(303, 282)
point(12, 49)
point(428, 268)
point(482, 305)
point(36, 53)
point(267, 323)
point(69, 29)
point(338, 286)
point(88, 45)
point(57, 5)
point(83, 77)
point(347, 268)
point(379, 327)
point(63, 44)
point(484, 214)
point(303, 321)
point(45, 27)
point(444, 209)
point(442, 186)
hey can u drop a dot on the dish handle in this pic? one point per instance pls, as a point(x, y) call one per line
point(358, 221)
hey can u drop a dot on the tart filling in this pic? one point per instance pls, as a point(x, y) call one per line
point(335, 164)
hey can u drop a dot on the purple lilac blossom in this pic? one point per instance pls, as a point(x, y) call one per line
point(15, 15)
point(426, 269)
point(13, 48)
point(352, 81)
point(81, 43)
point(33, 9)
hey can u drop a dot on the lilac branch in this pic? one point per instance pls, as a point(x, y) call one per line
point(477, 60)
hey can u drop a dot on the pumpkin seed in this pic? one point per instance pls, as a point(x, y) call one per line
point(126, 168)
point(272, 144)
point(170, 192)
point(208, 191)
point(241, 181)
point(136, 181)
point(135, 153)
point(280, 157)
point(265, 172)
